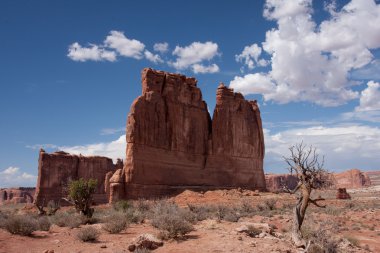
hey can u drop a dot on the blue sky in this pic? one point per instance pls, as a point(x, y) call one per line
point(69, 71)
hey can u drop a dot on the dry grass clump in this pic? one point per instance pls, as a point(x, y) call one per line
point(252, 231)
point(63, 219)
point(353, 241)
point(44, 223)
point(115, 223)
point(172, 221)
point(21, 225)
point(88, 234)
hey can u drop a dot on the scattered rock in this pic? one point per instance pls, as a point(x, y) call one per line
point(147, 241)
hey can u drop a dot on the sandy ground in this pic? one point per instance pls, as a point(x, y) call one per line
point(357, 218)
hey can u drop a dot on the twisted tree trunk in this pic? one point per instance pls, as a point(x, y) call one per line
point(299, 215)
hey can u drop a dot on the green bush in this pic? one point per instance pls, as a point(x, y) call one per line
point(88, 234)
point(21, 225)
point(80, 194)
point(121, 205)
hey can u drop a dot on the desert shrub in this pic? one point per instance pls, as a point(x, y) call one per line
point(63, 219)
point(270, 204)
point(252, 231)
point(52, 207)
point(134, 215)
point(80, 194)
point(170, 220)
point(44, 223)
point(231, 216)
point(201, 212)
point(246, 208)
point(353, 241)
point(3, 219)
point(115, 223)
point(142, 205)
point(21, 225)
point(322, 240)
point(87, 234)
point(121, 205)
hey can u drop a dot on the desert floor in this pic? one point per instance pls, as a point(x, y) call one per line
point(354, 226)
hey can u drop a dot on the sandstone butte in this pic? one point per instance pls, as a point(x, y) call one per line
point(57, 169)
point(173, 144)
point(349, 179)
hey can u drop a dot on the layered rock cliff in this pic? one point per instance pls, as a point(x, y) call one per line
point(173, 144)
point(57, 169)
point(17, 195)
point(349, 179)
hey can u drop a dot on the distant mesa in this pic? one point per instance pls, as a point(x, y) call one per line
point(173, 144)
point(17, 195)
point(350, 179)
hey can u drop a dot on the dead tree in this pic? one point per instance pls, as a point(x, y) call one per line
point(304, 163)
point(53, 207)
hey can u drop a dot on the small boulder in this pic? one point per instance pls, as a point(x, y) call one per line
point(342, 194)
point(145, 241)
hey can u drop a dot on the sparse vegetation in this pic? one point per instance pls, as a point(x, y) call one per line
point(80, 195)
point(87, 234)
point(64, 219)
point(354, 241)
point(21, 225)
point(44, 223)
point(170, 220)
point(252, 231)
point(115, 223)
point(122, 205)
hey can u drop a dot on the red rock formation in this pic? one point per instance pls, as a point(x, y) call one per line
point(351, 179)
point(276, 182)
point(374, 177)
point(57, 169)
point(17, 195)
point(172, 143)
point(348, 179)
point(342, 194)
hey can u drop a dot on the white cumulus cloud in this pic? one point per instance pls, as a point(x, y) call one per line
point(93, 53)
point(155, 58)
point(344, 146)
point(113, 149)
point(250, 56)
point(199, 68)
point(14, 177)
point(311, 62)
point(161, 47)
point(124, 46)
point(370, 97)
point(196, 53)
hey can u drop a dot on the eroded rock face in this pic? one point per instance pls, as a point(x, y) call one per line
point(342, 194)
point(55, 170)
point(276, 182)
point(17, 195)
point(173, 144)
point(351, 179)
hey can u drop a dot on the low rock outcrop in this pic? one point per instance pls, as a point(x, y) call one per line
point(342, 194)
point(57, 169)
point(17, 195)
point(174, 145)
